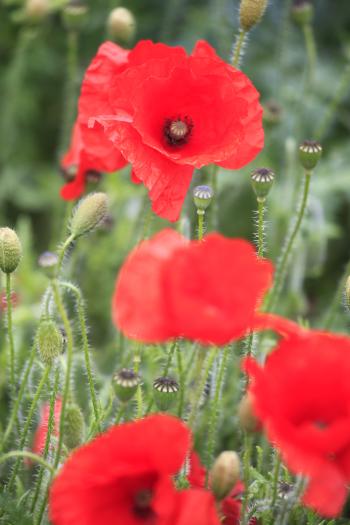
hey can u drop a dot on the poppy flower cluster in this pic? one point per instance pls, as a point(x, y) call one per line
point(205, 291)
point(126, 476)
point(302, 397)
point(165, 113)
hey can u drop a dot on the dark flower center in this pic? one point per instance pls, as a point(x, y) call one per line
point(142, 504)
point(177, 131)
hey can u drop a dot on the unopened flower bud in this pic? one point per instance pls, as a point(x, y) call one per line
point(251, 12)
point(74, 426)
point(74, 14)
point(165, 390)
point(49, 341)
point(125, 383)
point(89, 213)
point(302, 12)
point(224, 474)
point(121, 24)
point(48, 261)
point(310, 153)
point(36, 10)
point(202, 196)
point(262, 180)
point(247, 418)
point(10, 250)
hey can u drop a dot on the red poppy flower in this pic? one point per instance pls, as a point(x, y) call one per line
point(125, 477)
point(41, 431)
point(207, 291)
point(302, 396)
point(168, 113)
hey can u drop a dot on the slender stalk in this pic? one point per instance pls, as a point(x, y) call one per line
point(200, 387)
point(170, 357)
point(139, 402)
point(81, 315)
point(29, 455)
point(24, 433)
point(200, 215)
point(238, 48)
point(331, 313)
point(213, 416)
point(248, 442)
point(276, 473)
point(261, 217)
point(62, 252)
point(282, 265)
point(10, 335)
point(120, 414)
point(310, 50)
point(180, 371)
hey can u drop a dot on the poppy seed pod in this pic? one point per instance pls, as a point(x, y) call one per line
point(49, 341)
point(202, 196)
point(121, 24)
point(89, 213)
point(165, 390)
point(74, 15)
point(224, 474)
point(310, 153)
point(302, 12)
point(251, 12)
point(125, 383)
point(262, 180)
point(74, 424)
point(10, 250)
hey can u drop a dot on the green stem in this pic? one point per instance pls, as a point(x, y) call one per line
point(331, 312)
point(24, 433)
point(261, 216)
point(200, 215)
point(81, 315)
point(248, 445)
point(29, 455)
point(170, 357)
point(50, 428)
point(10, 335)
point(238, 48)
point(282, 265)
point(139, 402)
point(120, 414)
point(180, 371)
point(62, 252)
point(200, 386)
point(214, 412)
point(276, 473)
point(310, 50)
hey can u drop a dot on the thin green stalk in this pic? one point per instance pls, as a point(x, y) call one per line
point(180, 371)
point(62, 252)
point(239, 48)
point(200, 387)
point(276, 474)
point(81, 315)
point(29, 455)
point(200, 215)
point(213, 416)
point(139, 402)
point(248, 445)
point(24, 433)
point(120, 414)
point(50, 428)
point(282, 264)
point(331, 313)
point(170, 357)
point(10, 335)
point(261, 217)
point(310, 50)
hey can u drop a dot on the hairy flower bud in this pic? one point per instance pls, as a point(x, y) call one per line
point(121, 24)
point(89, 213)
point(125, 383)
point(248, 420)
point(165, 390)
point(49, 341)
point(224, 474)
point(10, 250)
point(74, 426)
point(251, 12)
point(262, 180)
point(310, 153)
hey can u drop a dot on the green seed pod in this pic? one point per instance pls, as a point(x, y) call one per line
point(49, 341)
point(10, 250)
point(74, 15)
point(121, 24)
point(302, 12)
point(74, 426)
point(165, 391)
point(262, 180)
point(89, 213)
point(224, 474)
point(202, 197)
point(310, 153)
point(125, 383)
point(251, 12)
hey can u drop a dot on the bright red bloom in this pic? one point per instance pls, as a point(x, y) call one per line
point(302, 397)
point(168, 113)
point(124, 477)
point(207, 291)
point(41, 431)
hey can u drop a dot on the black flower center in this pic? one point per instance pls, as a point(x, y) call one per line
point(142, 504)
point(177, 131)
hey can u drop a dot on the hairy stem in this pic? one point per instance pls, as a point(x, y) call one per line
point(238, 49)
point(10, 335)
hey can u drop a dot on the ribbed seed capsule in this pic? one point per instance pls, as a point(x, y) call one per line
point(74, 426)
point(251, 12)
point(10, 250)
point(224, 474)
point(125, 383)
point(310, 153)
point(165, 390)
point(89, 213)
point(262, 181)
point(49, 341)
point(202, 196)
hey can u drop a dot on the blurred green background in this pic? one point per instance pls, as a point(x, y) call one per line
point(33, 86)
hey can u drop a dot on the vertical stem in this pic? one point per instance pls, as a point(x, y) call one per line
point(276, 474)
point(200, 215)
point(180, 371)
point(170, 357)
point(310, 50)
point(261, 214)
point(10, 335)
point(248, 442)
point(200, 387)
point(331, 312)
point(238, 48)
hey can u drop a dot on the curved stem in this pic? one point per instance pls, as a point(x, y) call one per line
point(276, 473)
point(84, 334)
point(287, 248)
point(238, 48)
point(29, 455)
point(62, 252)
point(10, 335)
point(24, 434)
